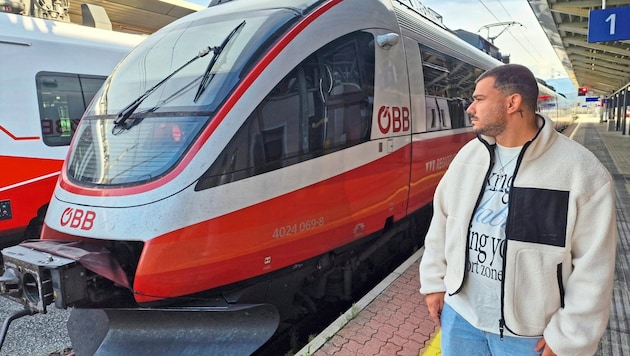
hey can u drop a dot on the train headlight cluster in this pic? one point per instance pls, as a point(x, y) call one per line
point(36, 279)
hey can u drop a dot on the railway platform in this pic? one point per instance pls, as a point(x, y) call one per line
point(393, 320)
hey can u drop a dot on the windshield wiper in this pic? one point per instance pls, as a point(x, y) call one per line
point(125, 113)
point(207, 76)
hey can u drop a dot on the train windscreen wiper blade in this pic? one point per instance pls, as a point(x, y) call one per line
point(207, 76)
point(125, 113)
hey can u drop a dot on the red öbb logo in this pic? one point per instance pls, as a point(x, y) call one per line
point(393, 118)
point(78, 218)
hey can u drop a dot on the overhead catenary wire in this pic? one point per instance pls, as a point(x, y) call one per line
point(524, 36)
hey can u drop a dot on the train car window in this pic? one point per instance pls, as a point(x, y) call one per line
point(322, 106)
point(63, 98)
point(449, 83)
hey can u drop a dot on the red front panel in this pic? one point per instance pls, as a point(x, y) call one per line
point(275, 233)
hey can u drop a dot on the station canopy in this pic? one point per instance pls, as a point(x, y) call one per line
point(137, 16)
point(602, 67)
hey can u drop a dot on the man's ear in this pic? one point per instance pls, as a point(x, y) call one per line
point(514, 102)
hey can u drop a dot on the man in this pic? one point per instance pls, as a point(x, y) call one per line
point(520, 255)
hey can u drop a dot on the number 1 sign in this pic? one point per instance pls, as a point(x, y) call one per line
point(609, 24)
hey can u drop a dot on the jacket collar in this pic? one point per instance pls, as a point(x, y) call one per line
point(545, 136)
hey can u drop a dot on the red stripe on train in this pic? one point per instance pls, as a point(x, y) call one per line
point(292, 227)
point(17, 138)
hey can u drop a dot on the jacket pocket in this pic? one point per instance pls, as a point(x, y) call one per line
point(560, 284)
point(538, 216)
point(532, 289)
point(455, 254)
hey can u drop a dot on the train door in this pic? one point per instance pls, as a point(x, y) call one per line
point(392, 121)
point(419, 122)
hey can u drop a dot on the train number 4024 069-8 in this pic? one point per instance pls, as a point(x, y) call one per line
point(292, 229)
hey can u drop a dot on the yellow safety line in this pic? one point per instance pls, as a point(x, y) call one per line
point(433, 348)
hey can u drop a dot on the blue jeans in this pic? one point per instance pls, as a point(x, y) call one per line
point(458, 337)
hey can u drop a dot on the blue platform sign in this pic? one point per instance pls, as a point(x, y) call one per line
point(592, 99)
point(609, 24)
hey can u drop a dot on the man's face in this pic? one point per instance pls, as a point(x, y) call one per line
point(488, 109)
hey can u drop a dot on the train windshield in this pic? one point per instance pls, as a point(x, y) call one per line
point(158, 100)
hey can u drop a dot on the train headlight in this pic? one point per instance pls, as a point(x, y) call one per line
point(36, 279)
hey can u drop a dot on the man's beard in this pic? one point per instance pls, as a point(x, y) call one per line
point(494, 128)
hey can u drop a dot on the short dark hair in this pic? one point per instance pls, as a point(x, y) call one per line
point(514, 79)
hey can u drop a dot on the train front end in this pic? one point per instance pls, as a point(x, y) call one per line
point(129, 177)
point(223, 162)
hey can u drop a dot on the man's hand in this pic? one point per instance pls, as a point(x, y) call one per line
point(435, 303)
point(542, 346)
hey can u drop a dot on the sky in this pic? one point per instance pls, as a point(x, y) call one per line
point(524, 42)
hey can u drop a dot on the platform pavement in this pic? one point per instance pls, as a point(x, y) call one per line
point(392, 320)
point(613, 150)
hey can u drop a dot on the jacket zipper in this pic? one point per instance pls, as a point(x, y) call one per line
point(507, 239)
point(479, 197)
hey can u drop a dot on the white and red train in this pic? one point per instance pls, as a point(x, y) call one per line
point(52, 69)
point(253, 153)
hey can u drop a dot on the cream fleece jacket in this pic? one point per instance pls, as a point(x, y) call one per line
point(561, 236)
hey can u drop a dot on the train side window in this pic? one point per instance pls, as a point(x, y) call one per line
point(433, 120)
point(448, 83)
point(63, 97)
point(323, 105)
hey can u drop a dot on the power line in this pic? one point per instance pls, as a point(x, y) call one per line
point(490, 11)
point(524, 35)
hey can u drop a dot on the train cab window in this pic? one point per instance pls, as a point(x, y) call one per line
point(448, 82)
point(323, 105)
point(63, 98)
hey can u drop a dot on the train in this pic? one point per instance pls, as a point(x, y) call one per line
point(52, 70)
point(242, 164)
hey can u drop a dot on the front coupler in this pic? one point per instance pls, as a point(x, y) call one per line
point(35, 275)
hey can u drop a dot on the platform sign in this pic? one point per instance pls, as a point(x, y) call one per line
point(609, 24)
point(592, 99)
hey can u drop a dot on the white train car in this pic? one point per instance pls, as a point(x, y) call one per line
point(555, 106)
point(50, 73)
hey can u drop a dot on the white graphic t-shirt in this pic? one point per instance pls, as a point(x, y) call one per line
point(479, 302)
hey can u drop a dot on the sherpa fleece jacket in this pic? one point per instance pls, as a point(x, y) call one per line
point(561, 235)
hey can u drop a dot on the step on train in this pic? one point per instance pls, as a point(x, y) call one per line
point(245, 162)
point(51, 71)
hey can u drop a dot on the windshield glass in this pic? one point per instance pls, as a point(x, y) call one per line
point(160, 129)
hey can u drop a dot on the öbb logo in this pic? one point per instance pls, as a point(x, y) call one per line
point(78, 218)
point(394, 119)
